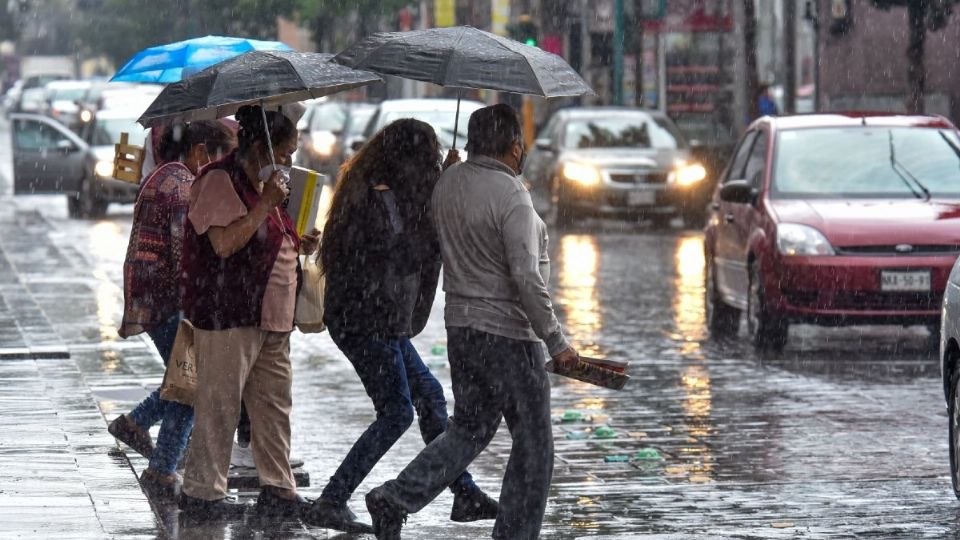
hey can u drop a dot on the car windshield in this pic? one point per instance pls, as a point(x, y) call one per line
point(327, 117)
point(359, 117)
point(621, 132)
point(441, 121)
point(866, 162)
point(107, 131)
point(68, 94)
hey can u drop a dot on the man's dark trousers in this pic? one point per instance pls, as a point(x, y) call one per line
point(493, 377)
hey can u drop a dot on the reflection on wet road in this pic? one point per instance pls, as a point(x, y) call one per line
point(842, 435)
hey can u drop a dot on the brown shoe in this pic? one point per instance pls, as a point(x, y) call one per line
point(160, 486)
point(128, 432)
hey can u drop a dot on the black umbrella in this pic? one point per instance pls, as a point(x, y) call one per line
point(255, 78)
point(465, 57)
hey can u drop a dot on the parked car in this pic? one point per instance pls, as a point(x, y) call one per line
point(32, 100)
point(62, 99)
point(950, 369)
point(834, 219)
point(614, 162)
point(439, 113)
point(50, 158)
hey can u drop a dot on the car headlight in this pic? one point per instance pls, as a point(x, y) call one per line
point(104, 169)
point(587, 175)
point(794, 239)
point(323, 142)
point(86, 116)
point(687, 174)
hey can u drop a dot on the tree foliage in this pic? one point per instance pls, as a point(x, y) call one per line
point(120, 28)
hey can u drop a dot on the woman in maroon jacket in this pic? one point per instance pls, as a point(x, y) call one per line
point(240, 278)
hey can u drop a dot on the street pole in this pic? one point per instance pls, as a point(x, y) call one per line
point(790, 50)
point(618, 38)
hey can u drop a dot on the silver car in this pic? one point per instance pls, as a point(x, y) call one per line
point(50, 158)
point(614, 162)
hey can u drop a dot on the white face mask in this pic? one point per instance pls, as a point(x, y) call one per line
point(265, 173)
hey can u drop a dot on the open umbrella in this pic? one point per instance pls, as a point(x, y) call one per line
point(465, 57)
point(172, 62)
point(266, 78)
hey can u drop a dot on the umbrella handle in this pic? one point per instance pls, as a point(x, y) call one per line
point(266, 128)
point(456, 119)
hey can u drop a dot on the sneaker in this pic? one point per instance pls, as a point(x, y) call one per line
point(204, 510)
point(128, 432)
point(242, 457)
point(330, 515)
point(269, 504)
point(473, 505)
point(160, 486)
point(387, 518)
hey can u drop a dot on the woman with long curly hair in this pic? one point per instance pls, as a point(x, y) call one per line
point(382, 262)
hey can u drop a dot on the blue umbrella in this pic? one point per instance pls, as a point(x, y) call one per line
point(176, 61)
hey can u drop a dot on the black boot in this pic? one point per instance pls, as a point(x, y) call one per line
point(473, 505)
point(387, 518)
point(330, 515)
point(271, 505)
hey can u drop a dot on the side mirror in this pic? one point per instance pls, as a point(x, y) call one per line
point(66, 146)
point(543, 144)
point(739, 192)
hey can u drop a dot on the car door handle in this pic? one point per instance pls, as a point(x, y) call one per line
point(728, 218)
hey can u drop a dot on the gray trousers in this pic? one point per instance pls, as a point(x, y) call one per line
point(493, 377)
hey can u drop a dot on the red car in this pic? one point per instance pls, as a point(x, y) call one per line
point(834, 219)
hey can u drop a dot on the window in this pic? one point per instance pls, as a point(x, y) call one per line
point(33, 136)
point(753, 172)
point(740, 158)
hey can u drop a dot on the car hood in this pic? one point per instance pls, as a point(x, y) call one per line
point(626, 157)
point(876, 222)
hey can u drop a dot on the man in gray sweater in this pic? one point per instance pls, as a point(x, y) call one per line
point(498, 311)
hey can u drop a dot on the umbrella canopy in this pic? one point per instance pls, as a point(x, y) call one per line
point(171, 63)
point(265, 78)
point(465, 57)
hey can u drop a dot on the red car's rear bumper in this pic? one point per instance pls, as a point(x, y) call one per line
point(847, 290)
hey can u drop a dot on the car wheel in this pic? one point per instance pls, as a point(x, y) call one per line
point(767, 331)
point(953, 409)
point(723, 320)
point(86, 204)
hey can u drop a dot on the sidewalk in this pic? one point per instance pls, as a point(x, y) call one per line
point(61, 474)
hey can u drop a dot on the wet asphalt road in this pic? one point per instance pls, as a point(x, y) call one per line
point(841, 436)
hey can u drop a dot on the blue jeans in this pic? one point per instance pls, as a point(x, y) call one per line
point(398, 382)
point(177, 419)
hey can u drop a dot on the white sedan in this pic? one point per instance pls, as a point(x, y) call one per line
point(950, 368)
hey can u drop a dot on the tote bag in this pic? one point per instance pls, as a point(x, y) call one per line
point(308, 316)
point(180, 378)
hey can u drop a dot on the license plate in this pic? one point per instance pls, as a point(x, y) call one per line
point(904, 281)
point(641, 198)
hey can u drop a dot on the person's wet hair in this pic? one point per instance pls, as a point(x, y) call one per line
point(178, 139)
point(251, 131)
point(493, 130)
point(405, 156)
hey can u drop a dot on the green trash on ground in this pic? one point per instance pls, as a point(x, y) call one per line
point(605, 432)
point(438, 350)
point(577, 435)
point(647, 454)
point(571, 415)
point(616, 458)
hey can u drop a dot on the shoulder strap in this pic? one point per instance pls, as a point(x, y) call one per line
point(393, 213)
